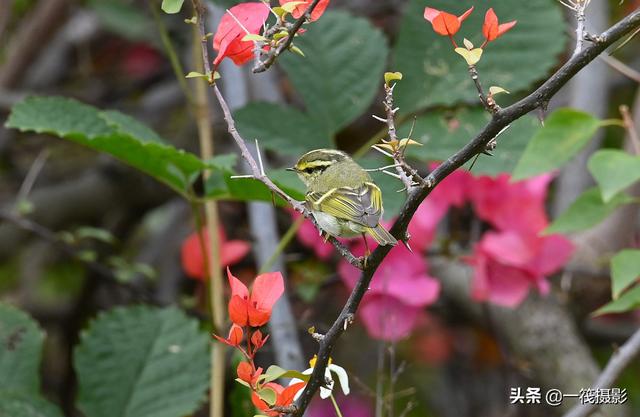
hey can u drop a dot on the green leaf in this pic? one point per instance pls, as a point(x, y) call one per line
point(110, 132)
point(172, 6)
point(267, 395)
point(587, 211)
point(625, 270)
point(564, 134)
point(442, 133)
point(628, 301)
point(614, 171)
point(282, 129)
point(342, 71)
point(435, 75)
point(20, 351)
point(143, 362)
point(18, 404)
point(123, 19)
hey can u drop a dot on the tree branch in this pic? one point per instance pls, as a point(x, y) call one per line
point(274, 53)
point(618, 363)
point(499, 121)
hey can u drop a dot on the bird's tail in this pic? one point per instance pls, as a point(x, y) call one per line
point(381, 236)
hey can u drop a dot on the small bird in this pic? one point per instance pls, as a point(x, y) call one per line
point(342, 196)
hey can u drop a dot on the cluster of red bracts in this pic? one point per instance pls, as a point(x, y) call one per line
point(248, 310)
point(249, 19)
point(447, 24)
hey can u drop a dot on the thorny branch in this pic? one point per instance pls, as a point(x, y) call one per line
point(578, 7)
point(257, 171)
point(487, 101)
point(618, 363)
point(500, 120)
point(405, 172)
point(274, 53)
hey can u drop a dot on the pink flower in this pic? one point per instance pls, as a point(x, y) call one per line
point(399, 291)
point(231, 252)
point(228, 38)
point(507, 264)
point(511, 206)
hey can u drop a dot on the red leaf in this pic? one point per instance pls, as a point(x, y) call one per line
point(491, 29)
point(228, 38)
point(444, 23)
point(258, 317)
point(238, 311)
point(285, 398)
point(302, 8)
point(245, 372)
point(237, 287)
point(266, 290)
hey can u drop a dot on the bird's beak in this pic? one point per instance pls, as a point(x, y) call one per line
point(291, 169)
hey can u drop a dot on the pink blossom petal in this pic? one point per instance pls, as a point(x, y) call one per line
point(500, 284)
point(237, 287)
point(387, 318)
point(555, 251)
point(232, 251)
point(510, 247)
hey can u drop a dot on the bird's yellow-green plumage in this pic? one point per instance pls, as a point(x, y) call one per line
point(341, 195)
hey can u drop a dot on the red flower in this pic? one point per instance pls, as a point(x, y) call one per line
point(231, 252)
point(284, 397)
point(508, 264)
point(235, 336)
point(491, 29)
point(445, 23)
point(302, 8)
point(228, 38)
point(254, 309)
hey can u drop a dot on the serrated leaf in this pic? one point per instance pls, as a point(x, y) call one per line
point(614, 171)
point(625, 270)
point(587, 211)
point(110, 132)
point(282, 129)
point(20, 351)
point(172, 6)
point(143, 362)
point(433, 73)
point(340, 76)
point(442, 133)
point(20, 404)
point(628, 301)
point(564, 134)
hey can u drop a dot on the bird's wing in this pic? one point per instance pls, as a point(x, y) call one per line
point(362, 205)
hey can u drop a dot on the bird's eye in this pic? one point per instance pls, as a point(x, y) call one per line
point(308, 170)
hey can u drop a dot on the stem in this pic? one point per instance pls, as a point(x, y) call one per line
point(335, 405)
point(580, 18)
point(205, 136)
point(282, 244)
point(618, 362)
point(171, 52)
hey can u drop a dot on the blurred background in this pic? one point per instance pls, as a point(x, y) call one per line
point(81, 232)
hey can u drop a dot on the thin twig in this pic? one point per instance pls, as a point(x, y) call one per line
point(621, 67)
point(631, 128)
point(274, 53)
point(498, 122)
point(618, 363)
point(490, 105)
